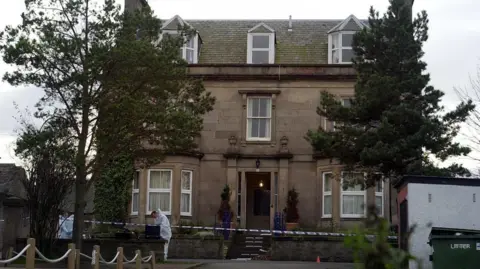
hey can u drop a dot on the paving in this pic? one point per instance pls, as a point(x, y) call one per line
point(234, 264)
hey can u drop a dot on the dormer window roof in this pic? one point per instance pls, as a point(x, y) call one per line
point(261, 44)
point(191, 47)
point(340, 40)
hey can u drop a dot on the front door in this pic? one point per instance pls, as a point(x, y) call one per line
point(258, 200)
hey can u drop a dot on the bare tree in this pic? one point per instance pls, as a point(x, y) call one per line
point(472, 128)
point(50, 177)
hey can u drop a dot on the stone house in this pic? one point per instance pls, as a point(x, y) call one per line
point(14, 220)
point(267, 76)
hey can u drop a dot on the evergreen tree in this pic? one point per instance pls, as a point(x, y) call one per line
point(395, 121)
point(117, 88)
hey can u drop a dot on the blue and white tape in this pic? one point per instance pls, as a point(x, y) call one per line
point(210, 228)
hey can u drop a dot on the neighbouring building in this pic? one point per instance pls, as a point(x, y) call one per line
point(267, 76)
point(14, 220)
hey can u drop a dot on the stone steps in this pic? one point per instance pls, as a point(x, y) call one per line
point(248, 246)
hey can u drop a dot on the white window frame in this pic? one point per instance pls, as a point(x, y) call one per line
point(356, 193)
point(326, 193)
point(185, 47)
point(189, 192)
point(155, 190)
point(339, 36)
point(270, 49)
point(135, 191)
point(269, 135)
point(380, 194)
point(325, 120)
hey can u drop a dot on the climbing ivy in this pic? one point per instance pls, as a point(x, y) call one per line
point(113, 189)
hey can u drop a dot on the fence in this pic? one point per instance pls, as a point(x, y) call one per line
point(30, 251)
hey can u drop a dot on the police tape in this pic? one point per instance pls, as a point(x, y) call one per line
point(262, 231)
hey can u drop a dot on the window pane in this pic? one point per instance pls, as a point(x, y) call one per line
point(135, 202)
point(335, 43)
point(260, 41)
point(185, 203)
point(327, 205)
point(335, 57)
point(186, 180)
point(255, 107)
point(264, 109)
point(347, 40)
point(347, 102)
point(180, 53)
point(264, 128)
point(347, 55)
point(260, 57)
point(160, 179)
point(189, 56)
point(159, 200)
point(190, 43)
point(328, 182)
point(379, 186)
point(135, 180)
point(253, 127)
point(352, 204)
point(379, 204)
point(353, 181)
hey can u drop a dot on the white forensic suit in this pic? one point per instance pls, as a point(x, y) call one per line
point(165, 230)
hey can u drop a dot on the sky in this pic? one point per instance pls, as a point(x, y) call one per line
point(451, 52)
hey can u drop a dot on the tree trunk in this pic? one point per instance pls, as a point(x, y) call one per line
point(78, 222)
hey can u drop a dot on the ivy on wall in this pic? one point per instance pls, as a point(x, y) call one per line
point(113, 189)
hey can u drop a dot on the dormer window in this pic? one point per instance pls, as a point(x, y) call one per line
point(190, 49)
point(342, 52)
point(340, 40)
point(261, 45)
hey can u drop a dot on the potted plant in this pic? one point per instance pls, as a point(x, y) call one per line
point(291, 211)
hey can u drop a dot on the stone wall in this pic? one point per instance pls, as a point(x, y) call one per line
point(329, 249)
point(186, 247)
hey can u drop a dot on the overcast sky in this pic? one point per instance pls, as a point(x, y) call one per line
point(452, 51)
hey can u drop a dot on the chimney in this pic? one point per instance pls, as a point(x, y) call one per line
point(132, 5)
point(290, 23)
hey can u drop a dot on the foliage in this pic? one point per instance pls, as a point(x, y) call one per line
point(376, 252)
point(115, 86)
point(49, 158)
point(291, 210)
point(113, 189)
point(225, 207)
point(395, 121)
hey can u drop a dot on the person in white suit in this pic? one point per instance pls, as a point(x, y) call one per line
point(165, 229)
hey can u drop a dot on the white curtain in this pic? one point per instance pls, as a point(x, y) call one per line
point(185, 203)
point(160, 186)
point(135, 202)
point(327, 205)
point(159, 200)
point(353, 204)
point(379, 204)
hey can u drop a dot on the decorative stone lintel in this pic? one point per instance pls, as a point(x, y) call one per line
point(276, 156)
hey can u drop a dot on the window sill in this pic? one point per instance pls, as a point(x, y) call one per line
point(186, 214)
point(134, 214)
point(352, 218)
point(326, 217)
point(258, 142)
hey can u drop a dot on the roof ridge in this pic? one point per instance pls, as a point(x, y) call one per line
point(264, 20)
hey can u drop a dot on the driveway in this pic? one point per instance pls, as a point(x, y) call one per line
point(230, 264)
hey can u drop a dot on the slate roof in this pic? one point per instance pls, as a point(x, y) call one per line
point(225, 41)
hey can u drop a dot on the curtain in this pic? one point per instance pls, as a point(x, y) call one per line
point(327, 205)
point(135, 202)
point(185, 203)
point(352, 204)
point(160, 179)
point(379, 204)
point(186, 180)
point(159, 200)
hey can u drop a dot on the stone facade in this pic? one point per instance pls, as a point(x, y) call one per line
point(287, 159)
